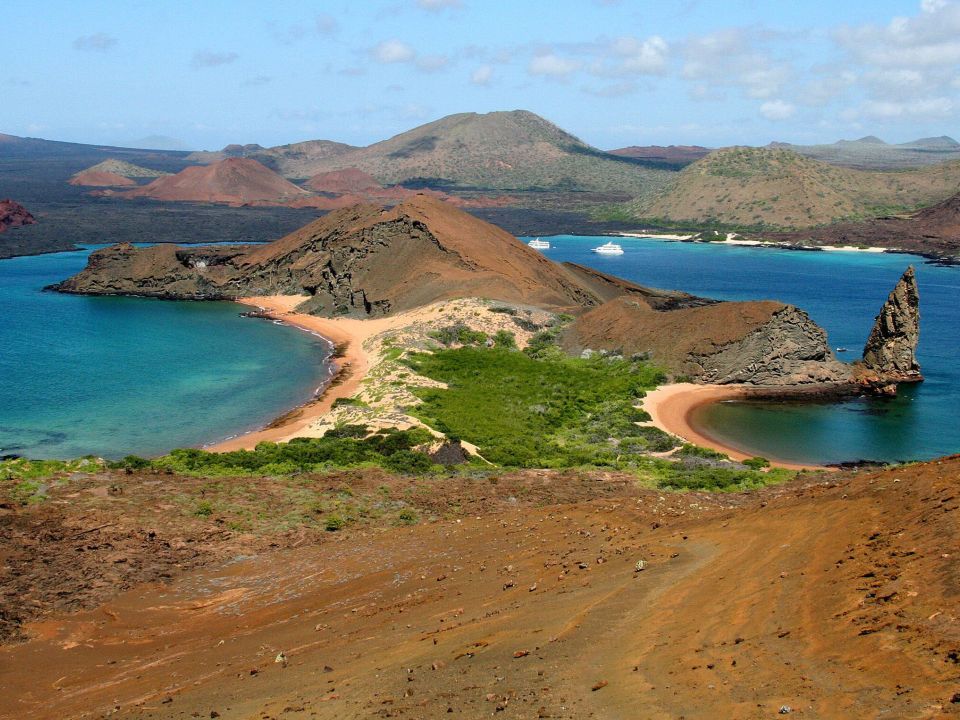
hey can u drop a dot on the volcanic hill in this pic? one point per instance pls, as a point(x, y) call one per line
point(514, 150)
point(235, 181)
point(14, 215)
point(368, 261)
point(113, 173)
point(780, 188)
point(872, 153)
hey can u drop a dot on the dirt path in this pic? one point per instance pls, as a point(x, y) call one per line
point(834, 600)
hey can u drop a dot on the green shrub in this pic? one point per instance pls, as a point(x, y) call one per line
point(130, 462)
point(757, 462)
point(203, 509)
point(409, 462)
point(333, 523)
point(505, 340)
point(695, 451)
point(407, 517)
point(347, 430)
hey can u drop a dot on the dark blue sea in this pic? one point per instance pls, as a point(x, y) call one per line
point(843, 292)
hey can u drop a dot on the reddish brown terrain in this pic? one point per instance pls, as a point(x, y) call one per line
point(833, 596)
point(234, 181)
point(935, 230)
point(14, 215)
point(342, 182)
point(99, 178)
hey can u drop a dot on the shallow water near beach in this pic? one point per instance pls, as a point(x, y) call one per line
point(843, 292)
point(115, 376)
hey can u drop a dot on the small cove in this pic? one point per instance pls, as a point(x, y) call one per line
point(112, 376)
point(842, 291)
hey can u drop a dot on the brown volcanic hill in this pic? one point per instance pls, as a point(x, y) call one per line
point(761, 343)
point(933, 231)
point(779, 188)
point(498, 150)
point(362, 260)
point(124, 169)
point(101, 178)
point(14, 215)
point(340, 182)
point(678, 156)
point(235, 181)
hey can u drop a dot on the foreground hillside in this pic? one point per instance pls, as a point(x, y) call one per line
point(160, 596)
point(774, 187)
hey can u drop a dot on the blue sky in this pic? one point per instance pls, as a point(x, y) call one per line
point(614, 73)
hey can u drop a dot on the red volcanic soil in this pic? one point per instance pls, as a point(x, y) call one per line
point(99, 178)
point(14, 215)
point(236, 181)
point(346, 181)
point(513, 596)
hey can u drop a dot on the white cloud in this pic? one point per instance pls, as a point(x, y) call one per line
point(483, 75)
point(432, 63)
point(931, 38)
point(777, 110)
point(206, 58)
point(98, 42)
point(639, 57)
point(612, 91)
point(940, 108)
point(551, 65)
point(438, 5)
point(393, 51)
point(736, 57)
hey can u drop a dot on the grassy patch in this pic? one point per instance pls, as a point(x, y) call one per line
point(343, 447)
point(544, 411)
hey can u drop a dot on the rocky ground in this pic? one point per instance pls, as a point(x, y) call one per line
point(507, 594)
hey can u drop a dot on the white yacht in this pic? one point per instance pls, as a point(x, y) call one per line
point(538, 244)
point(610, 248)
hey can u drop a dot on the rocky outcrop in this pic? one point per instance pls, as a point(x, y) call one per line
point(890, 352)
point(762, 343)
point(789, 349)
point(14, 215)
point(361, 261)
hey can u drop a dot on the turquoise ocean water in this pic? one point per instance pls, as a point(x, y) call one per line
point(843, 292)
point(113, 376)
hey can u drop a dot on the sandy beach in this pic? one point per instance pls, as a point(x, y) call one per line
point(671, 406)
point(347, 333)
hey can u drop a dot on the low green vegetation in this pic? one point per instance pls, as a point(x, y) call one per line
point(539, 408)
point(345, 446)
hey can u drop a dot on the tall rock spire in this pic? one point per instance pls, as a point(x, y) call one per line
point(890, 351)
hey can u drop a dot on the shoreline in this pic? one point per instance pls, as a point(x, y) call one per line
point(671, 407)
point(346, 334)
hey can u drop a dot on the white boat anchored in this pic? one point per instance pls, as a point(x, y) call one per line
point(610, 248)
point(538, 244)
